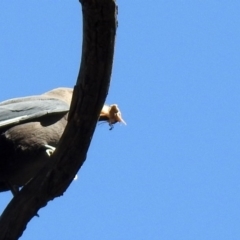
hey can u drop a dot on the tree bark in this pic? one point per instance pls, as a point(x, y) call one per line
point(99, 29)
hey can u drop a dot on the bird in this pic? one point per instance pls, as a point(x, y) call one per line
point(30, 129)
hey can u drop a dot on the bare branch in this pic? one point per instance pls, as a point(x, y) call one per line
point(99, 29)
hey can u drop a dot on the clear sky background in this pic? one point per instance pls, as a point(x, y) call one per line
point(173, 173)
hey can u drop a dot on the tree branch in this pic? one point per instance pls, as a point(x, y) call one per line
point(99, 29)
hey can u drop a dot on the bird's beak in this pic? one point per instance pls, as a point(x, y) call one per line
point(119, 118)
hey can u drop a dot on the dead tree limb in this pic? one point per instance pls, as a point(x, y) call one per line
point(99, 29)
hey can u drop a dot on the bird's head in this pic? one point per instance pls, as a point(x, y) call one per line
point(112, 114)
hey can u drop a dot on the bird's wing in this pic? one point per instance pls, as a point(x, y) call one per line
point(20, 110)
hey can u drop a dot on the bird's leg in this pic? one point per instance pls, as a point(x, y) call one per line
point(50, 150)
point(112, 114)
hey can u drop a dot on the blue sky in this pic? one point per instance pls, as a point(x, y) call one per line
point(174, 171)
